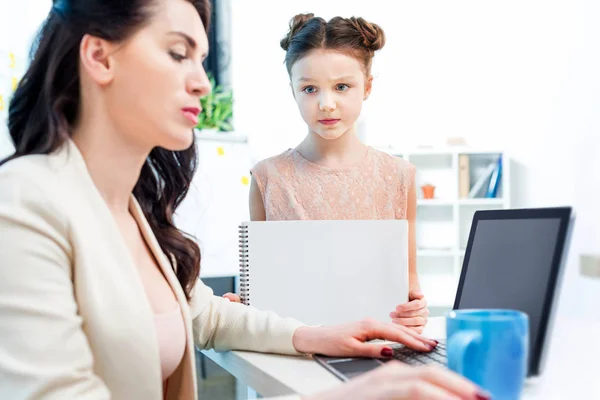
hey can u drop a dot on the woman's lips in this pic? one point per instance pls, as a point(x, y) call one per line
point(191, 113)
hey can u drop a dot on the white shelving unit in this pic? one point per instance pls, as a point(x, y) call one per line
point(444, 222)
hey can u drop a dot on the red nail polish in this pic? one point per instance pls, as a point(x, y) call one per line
point(483, 396)
point(387, 352)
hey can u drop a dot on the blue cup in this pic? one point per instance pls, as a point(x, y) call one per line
point(491, 348)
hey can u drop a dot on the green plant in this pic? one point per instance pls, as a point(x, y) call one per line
point(217, 108)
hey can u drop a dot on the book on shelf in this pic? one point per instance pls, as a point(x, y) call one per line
point(487, 183)
point(495, 180)
point(464, 181)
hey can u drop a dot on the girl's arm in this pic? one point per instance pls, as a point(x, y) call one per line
point(257, 207)
point(411, 215)
point(414, 312)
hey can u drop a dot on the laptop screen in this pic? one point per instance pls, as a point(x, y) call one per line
point(510, 265)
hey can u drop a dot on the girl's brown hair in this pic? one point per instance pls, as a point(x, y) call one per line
point(353, 36)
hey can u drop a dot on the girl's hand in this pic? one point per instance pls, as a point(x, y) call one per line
point(232, 297)
point(412, 314)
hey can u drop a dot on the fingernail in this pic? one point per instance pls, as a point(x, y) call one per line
point(483, 396)
point(387, 352)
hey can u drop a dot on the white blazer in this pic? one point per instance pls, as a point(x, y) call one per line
point(75, 322)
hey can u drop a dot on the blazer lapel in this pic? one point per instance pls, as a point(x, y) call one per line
point(163, 262)
point(184, 376)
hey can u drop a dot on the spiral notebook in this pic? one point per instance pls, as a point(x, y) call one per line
point(325, 272)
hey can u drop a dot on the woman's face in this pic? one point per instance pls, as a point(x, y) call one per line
point(157, 80)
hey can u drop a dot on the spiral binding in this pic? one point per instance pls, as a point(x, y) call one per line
point(244, 265)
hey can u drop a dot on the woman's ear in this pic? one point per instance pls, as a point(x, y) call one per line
point(368, 86)
point(96, 59)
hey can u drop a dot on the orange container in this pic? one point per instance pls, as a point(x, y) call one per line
point(428, 191)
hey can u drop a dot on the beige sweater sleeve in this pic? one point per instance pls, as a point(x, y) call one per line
point(44, 352)
point(222, 325)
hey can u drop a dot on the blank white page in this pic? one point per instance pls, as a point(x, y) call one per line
point(328, 272)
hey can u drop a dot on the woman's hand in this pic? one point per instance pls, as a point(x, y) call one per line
point(399, 381)
point(412, 314)
point(232, 297)
point(349, 339)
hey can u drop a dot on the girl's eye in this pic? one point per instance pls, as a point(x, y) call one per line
point(342, 87)
point(309, 89)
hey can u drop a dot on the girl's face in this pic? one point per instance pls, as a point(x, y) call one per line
point(329, 88)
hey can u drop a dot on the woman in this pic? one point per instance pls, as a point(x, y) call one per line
point(99, 295)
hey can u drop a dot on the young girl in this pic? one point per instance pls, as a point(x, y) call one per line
point(331, 174)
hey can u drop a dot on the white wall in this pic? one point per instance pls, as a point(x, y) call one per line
point(19, 21)
point(520, 75)
point(580, 117)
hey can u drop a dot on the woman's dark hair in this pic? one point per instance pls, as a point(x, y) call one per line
point(46, 104)
point(353, 36)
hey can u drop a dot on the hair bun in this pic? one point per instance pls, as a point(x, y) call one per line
point(296, 23)
point(372, 34)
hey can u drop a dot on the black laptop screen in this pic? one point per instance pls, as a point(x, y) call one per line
point(510, 265)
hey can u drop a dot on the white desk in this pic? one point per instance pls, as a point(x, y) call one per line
point(572, 369)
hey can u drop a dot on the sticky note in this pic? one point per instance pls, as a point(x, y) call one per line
point(14, 83)
point(12, 62)
point(245, 180)
point(1, 103)
point(220, 151)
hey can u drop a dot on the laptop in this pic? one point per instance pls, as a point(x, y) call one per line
point(514, 259)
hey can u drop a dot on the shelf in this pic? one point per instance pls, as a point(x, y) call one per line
point(434, 202)
point(443, 223)
point(436, 253)
point(462, 202)
point(442, 151)
point(481, 202)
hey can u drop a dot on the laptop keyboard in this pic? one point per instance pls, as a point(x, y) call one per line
point(347, 368)
point(414, 357)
